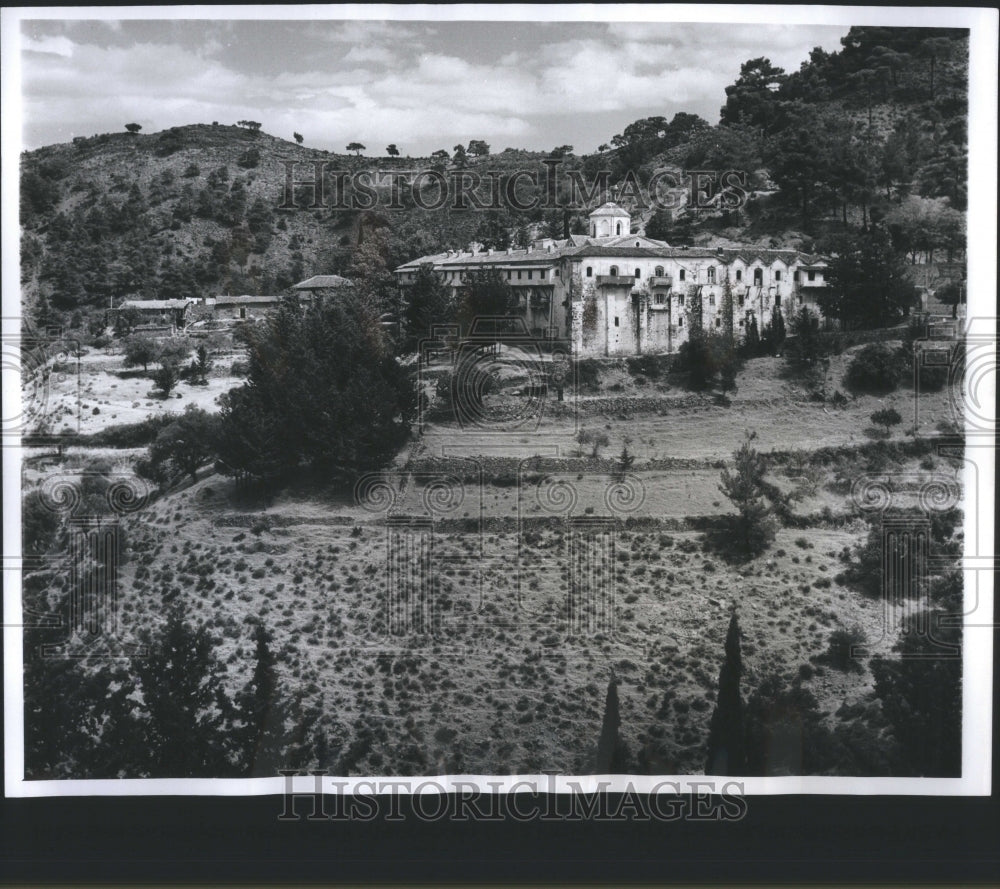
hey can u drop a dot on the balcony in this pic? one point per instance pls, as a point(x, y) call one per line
point(615, 281)
point(661, 281)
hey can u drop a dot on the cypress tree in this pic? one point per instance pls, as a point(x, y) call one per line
point(612, 754)
point(751, 344)
point(259, 701)
point(726, 751)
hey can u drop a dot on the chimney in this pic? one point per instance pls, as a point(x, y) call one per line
point(490, 252)
point(510, 250)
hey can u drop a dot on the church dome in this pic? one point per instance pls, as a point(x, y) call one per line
point(610, 209)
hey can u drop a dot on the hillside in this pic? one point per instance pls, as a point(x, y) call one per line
point(194, 210)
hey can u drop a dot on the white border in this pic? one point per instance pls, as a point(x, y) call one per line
point(977, 695)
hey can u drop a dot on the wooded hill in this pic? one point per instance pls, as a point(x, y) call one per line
point(874, 132)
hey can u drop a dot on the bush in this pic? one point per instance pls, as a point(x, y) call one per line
point(932, 377)
point(587, 373)
point(874, 369)
point(129, 435)
point(652, 366)
point(839, 650)
point(165, 379)
point(707, 357)
point(249, 159)
point(596, 440)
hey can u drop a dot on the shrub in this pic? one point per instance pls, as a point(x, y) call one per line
point(874, 369)
point(707, 357)
point(932, 377)
point(596, 440)
point(839, 650)
point(587, 373)
point(165, 379)
point(652, 366)
point(249, 159)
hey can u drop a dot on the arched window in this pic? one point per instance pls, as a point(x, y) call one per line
point(711, 274)
point(658, 271)
point(638, 273)
point(758, 277)
point(636, 243)
point(618, 228)
point(739, 275)
point(590, 271)
point(614, 270)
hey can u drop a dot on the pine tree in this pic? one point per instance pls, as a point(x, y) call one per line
point(726, 751)
point(752, 527)
point(427, 304)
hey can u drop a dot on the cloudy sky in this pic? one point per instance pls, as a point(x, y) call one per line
point(421, 85)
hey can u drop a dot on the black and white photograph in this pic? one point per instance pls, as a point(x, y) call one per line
point(405, 399)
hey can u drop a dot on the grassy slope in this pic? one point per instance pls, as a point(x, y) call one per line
point(503, 686)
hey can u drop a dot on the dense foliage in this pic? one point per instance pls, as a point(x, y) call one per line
point(323, 389)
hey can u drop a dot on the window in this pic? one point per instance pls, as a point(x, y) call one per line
point(638, 273)
point(795, 276)
point(812, 276)
point(510, 274)
point(658, 298)
point(718, 322)
point(243, 312)
point(616, 320)
point(637, 244)
point(529, 274)
point(558, 275)
point(614, 271)
point(758, 277)
point(777, 274)
point(680, 322)
point(682, 275)
point(777, 299)
point(740, 298)
point(680, 299)
point(711, 274)
point(739, 275)
point(590, 271)
point(658, 271)
point(711, 299)
point(618, 228)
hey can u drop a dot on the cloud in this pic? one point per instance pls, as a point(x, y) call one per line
point(419, 86)
point(379, 54)
point(58, 46)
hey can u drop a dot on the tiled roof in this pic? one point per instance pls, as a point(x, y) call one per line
point(579, 247)
point(610, 209)
point(323, 282)
point(246, 300)
point(155, 305)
